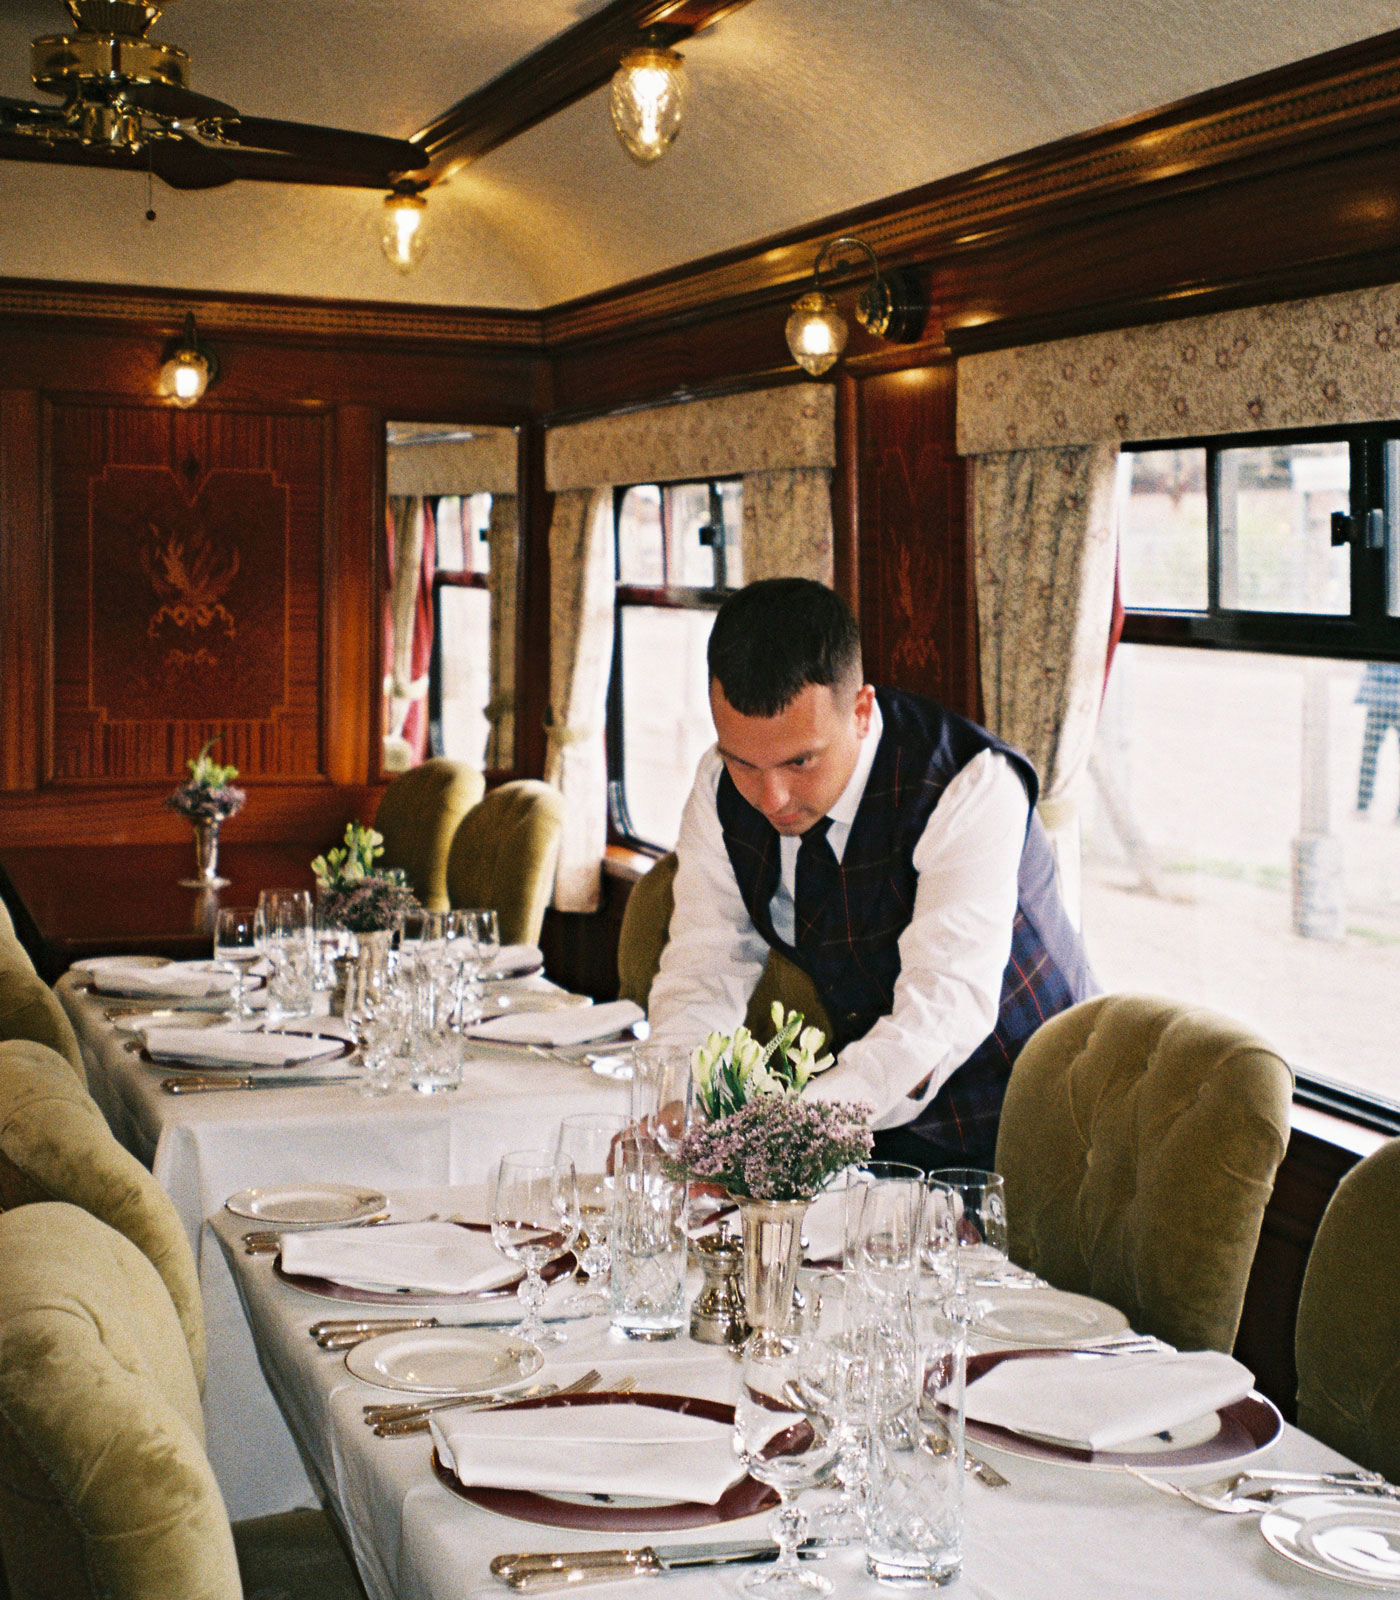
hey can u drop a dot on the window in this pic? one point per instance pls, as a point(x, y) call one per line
point(459, 683)
point(678, 554)
point(1242, 839)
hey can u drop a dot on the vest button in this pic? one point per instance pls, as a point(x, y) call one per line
point(853, 1016)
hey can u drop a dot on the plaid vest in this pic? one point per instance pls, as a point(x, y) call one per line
point(854, 960)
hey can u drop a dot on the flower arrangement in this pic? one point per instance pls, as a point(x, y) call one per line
point(208, 794)
point(353, 894)
point(759, 1139)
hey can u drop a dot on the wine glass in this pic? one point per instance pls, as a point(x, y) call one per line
point(588, 1139)
point(534, 1220)
point(883, 1222)
point(975, 1203)
point(235, 949)
point(486, 933)
point(663, 1094)
point(837, 1315)
point(785, 1432)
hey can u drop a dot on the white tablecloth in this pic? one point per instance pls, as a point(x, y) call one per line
point(203, 1148)
point(1057, 1533)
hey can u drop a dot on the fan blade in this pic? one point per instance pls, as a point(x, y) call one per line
point(187, 164)
point(331, 147)
point(180, 105)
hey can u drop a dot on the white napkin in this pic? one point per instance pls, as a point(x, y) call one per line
point(225, 1047)
point(1098, 1402)
point(576, 1026)
point(431, 1257)
point(513, 958)
point(182, 980)
point(604, 1449)
point(824, 1227)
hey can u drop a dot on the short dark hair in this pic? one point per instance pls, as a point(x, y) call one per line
point(773, 638)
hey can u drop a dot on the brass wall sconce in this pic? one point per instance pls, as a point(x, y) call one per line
point(893, 307)
point(403, 237)
point(647, 99)
point(190, 366)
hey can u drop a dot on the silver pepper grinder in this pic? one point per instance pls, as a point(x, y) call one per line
point(717, 1316)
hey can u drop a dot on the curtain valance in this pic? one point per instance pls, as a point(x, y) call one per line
point(418, 463)
point(1304, 363)
point(765, 430)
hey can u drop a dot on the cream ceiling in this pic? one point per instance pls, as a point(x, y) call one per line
point(798, 109)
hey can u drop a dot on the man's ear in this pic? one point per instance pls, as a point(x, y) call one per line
point(864, 705)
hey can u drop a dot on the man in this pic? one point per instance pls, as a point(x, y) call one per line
point(887, 846)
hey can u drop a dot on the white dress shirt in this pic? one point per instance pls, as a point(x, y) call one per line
point(952, 955)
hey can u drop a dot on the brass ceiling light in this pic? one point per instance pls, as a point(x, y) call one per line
point(190, 366)
point(893, 307)
point(403, 237)
point(647, 99)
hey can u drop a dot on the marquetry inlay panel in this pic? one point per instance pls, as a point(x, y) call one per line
point(187, 590)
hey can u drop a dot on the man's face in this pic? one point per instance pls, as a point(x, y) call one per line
point(793, 767)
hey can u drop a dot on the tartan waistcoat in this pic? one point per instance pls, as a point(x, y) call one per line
point(854, 957)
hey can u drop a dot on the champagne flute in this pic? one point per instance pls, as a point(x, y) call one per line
point(235, 948)
point(534, 1220)
point(588, 1139)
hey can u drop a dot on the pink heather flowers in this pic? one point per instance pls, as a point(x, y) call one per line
point(208, 794)
point(777, 1147)
point(353, 894)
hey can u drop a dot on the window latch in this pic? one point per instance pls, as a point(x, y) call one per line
point(1370, 525)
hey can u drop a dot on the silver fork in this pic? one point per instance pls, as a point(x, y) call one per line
point(1252, 1501)
point(416, 1420)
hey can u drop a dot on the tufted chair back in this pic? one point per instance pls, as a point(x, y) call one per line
point(29, 1009)
point(646, 925)
point(1139, 1140)
point(105, 1489)
point(55, 1145)
point(504, 856)
point(418, 817)
point(1348, 1338)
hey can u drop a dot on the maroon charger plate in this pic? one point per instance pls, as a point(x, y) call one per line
point(1246, 1427)
point(743, 1499)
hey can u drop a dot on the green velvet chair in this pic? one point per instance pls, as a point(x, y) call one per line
point(105, 1489)
point(1139, 1141)
point(55, 1145)
point(504, 856)
point(646, 924)
point(29, 1009)
point(1348, 1336)
point(418, 817)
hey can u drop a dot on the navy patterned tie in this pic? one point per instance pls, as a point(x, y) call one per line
point(817, 872)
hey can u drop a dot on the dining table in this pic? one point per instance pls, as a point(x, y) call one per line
point(204, 1147)
point(1051, 1531)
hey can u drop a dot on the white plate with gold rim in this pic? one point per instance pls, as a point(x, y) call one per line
point(308, 1205)
point(1353, 1538)
point(444, 1360)
point(1045, 1317)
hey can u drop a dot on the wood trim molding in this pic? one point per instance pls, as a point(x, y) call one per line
point(282, 315)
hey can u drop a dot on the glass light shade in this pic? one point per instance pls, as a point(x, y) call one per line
point(185, 376)
point(648, 96)
point(403, 238)
point(816, 333)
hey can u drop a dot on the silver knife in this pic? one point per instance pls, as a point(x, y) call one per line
point(195, 1085)
point(569, 1568)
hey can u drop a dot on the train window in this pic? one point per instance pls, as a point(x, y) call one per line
point(1242, 813)
point(677, 554)
point(459, 679)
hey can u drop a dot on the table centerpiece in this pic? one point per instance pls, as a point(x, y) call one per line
point(207, 798)
point(370, 902)
point(770, 1149)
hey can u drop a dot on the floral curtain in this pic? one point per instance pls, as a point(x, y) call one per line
point(581, 637)
point(503, 537)
point(1045, 551)
point(787, 525)
point(411, 560)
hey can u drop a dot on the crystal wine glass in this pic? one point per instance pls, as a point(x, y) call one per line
point(235, 949)
point(785, 1431)
point(534, 1220)
point(663, 1093)
point(588, 1139)
point(976, 1200)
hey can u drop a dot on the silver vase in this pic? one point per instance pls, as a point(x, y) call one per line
point(206, 856)
point(772, 1232)
point(362, 977)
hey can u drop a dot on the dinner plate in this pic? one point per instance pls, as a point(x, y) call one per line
point(619, 1514)
point(1046, 1316)
point(444, 1360)
point(1223, 1438)
point(1353, 1538)
point(323, 1205)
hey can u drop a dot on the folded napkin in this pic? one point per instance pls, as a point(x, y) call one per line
point(515, 958)
point(1099, 1402)
point(183, 980)
point(236, 1047)
point(431, 1257)
point(824, 1227)
point(576, 1026)
point(602, 1449)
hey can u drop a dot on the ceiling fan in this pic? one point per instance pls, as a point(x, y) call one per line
point(126, 102)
